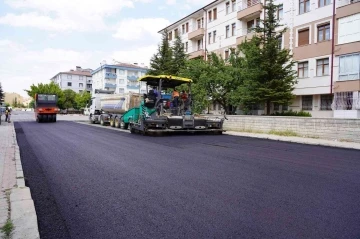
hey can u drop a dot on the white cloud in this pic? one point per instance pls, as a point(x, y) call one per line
point(138, 55)
point(133, 29)
point(170, 2)
point(65, 15)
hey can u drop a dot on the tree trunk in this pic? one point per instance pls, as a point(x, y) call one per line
point(268, 104)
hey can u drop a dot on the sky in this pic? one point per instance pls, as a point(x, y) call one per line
point(39, 38)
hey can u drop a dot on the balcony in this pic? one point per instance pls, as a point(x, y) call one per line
point(197, 34)
point(109, 85)
point(133, 87)
point(347, 8)
point(244, 34)
point(248, 9)
point(109, 75)
point(132, 78)
point(198, 53)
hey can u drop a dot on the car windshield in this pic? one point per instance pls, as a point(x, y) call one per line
point(46, 98)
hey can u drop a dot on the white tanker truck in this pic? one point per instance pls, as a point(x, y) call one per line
point(107, 107)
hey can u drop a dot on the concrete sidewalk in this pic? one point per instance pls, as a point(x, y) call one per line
point(297, 139)
point(16, 204)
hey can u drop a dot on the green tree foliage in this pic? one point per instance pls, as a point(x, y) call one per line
point(81, 99)
point(179, 56)
point(161, 62)
point(214, 81)
point(2, 94)
point(68, 100)
point(266, 69)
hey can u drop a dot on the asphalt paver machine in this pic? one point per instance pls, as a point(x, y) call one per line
point(162, 111)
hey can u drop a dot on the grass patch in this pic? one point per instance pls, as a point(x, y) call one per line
point(7, 228)
point(283, 133)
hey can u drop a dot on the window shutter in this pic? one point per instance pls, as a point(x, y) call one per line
point(303, 37)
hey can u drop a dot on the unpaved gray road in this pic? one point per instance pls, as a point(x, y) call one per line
point(90, 182)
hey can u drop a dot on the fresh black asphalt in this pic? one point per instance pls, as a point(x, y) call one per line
point(91, 182)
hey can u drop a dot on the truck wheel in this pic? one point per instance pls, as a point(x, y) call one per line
point(117, 122)
point(91, 120)
point(112, 122)
point(102, 121)
point(132, 130)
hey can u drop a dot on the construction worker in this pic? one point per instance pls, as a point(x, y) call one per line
point(7, 115)
point(175, 96)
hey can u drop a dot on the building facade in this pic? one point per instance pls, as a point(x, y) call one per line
point(120, 78)
point(79, 80)
point(322, 35)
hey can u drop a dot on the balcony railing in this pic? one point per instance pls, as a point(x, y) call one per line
point(109, 85)
point(247, 3)
point(132, 78)
point(341, 3)
point(110, 75)
point(133, 87)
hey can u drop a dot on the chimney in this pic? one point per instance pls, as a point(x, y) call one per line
point(78, 68)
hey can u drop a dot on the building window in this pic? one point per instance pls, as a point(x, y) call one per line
point(176, 32)
point(226, 54)
point(276, 107)
point(250, 26)
point(280, 12)
point(323, 3)
point(199, 23)
point(304, 6)
point(285, 108)
point(227, 7)
point(324, 32)
point(307, 101)
point(303, 37)
point(215, 13)
point(108, 70)
point(233, 29)
point(121, 72)
point(69, 76)
point(187, 27)
point(303, 69)
point(349, 67)
point(69, 84)
point(170, 36)
point(81, 85)
point(186, 46)
point(325, 102)
point(209, 37)
point(258, 22)
point(280, 42)
point(344, 100)
point(233, 5)
point(214, 36)
point(88, 86)
point(322, 67)
point(200, 43)
point(227, 31)
point(182, 29)
point(121, 90)
point(209, 13)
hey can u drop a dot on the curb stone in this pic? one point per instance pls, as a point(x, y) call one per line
point(23, 214)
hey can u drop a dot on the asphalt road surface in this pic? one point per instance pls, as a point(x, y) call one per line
point(91, 182)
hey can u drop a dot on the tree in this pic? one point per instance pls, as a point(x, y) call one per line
point(2, 94)
point(214, 81)
point(267, 69)
point(81, 99)
point(179, 56)
point(50, 88)
point(161, 62)
point(15, 102)
point(68, 99)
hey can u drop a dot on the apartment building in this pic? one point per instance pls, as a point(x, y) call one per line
point(78, 80)
point(120, 78)
point(316, 31)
